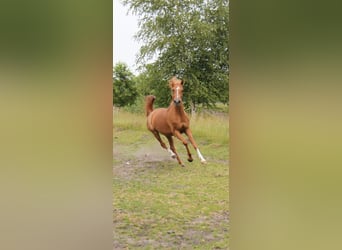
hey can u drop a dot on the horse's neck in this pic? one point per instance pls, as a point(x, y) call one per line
point(178, 110)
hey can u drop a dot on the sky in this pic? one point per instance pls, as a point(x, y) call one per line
point(125, 47)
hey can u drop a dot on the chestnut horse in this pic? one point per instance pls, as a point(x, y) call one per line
point(171, 121)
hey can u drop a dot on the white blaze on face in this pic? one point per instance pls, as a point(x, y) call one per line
point(177, 95)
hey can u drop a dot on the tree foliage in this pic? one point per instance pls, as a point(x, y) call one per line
point(124, 89)
point(188, 39)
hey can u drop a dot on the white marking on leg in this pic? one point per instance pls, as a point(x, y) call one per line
point(173, 155)
point(200, 155)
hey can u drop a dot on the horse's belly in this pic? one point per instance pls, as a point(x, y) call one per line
point(160, 122)
point(163, 128)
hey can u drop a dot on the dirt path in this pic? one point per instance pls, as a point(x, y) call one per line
point(145, 165)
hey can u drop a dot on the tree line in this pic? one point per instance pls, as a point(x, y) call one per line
point(187, 39)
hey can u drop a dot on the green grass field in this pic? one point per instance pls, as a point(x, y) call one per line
point(157, 204)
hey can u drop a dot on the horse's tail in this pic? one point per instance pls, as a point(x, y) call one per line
point(149, 104)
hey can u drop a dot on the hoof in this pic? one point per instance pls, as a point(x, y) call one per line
point(190, 160)
point(182, 165)
point(173, 156)
point(204, 162)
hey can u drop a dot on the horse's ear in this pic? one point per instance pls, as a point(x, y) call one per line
point(171, 84)
point(182, 82)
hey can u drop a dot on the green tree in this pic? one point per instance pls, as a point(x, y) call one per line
point(124, 89)
point(151, 82)
point(188, 39)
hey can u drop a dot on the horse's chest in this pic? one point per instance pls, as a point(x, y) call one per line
point(181, 126)
point(178, 122)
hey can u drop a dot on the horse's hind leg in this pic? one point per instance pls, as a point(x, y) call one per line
point(172, 146)
point(163, 145)
point(157, 136)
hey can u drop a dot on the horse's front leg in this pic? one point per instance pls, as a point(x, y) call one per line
point(185, 143)
point(192, 140)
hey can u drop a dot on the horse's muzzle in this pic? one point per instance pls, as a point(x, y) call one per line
point(177, 101)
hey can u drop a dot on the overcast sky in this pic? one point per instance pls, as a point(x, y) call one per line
point(125, 26)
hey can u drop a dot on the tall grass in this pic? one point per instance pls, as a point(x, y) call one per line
point(213, 128)
point(123, 119)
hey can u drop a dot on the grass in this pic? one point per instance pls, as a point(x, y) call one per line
point(160, 205)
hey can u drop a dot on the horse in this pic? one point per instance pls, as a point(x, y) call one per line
point(171, 121)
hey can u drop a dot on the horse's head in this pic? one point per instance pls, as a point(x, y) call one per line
point(176, 86)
